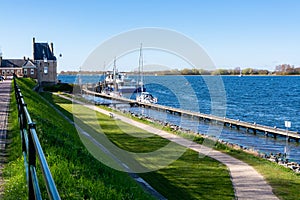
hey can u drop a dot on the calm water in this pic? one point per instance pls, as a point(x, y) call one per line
point(266, 100)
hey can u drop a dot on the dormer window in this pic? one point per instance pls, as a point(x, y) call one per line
point(44, 56)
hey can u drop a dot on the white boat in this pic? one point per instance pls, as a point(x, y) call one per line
point(123, 83)
point(120, 82)
point(143, 96)
point(146, 97)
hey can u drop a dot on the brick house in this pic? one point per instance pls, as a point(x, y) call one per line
point(42, 67)
point(29, 69)
point(46, 63)
point(8, 67)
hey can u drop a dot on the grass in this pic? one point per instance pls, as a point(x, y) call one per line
point(189, 177)
point(285, 182)
point(77, 174)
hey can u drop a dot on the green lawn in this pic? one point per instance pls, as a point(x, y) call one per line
point(77, 174)
point(189, 177)
point(285, 183)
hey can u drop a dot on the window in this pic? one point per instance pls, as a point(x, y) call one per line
point(32, 71)
point(25, 71)
point(46, 70)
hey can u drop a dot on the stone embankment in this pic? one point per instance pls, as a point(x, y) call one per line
point(279, 158)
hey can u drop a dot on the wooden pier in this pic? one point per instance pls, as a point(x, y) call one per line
point(268, 131)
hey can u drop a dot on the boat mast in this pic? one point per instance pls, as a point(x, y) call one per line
point(141, 68)
point(114, 75)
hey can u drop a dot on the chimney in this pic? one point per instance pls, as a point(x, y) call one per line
point(51, 48)
point(24, 58)
point(0, 58)
point(33, 41)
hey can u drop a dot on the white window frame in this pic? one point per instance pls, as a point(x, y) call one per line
point(46, 69)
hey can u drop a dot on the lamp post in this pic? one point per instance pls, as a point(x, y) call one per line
point(287, 125)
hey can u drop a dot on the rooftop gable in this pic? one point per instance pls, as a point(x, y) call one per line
point(28, 64)
point(42, 51)
point(12, 62)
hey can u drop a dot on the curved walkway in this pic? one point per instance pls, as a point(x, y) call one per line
point(5, 88)
point(247, 182)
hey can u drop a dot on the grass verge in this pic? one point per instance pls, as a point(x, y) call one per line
point(77, 174)
point(189, 177)
point(285, 182)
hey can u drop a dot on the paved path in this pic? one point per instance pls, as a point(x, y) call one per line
point(5, 88)
point(247, 182)
point(135, 176)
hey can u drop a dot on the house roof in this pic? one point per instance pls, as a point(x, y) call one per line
point(42, 50)
point(28, 64)
point(12, 62)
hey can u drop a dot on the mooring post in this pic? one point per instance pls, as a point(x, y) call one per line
point(254, 131)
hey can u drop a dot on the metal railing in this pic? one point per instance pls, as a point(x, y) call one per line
point(32, 149)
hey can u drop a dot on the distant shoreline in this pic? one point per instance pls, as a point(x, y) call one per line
point(95, 73)
point(283, 70)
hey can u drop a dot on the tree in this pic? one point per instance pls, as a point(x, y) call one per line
point(221, 72)
point(263, 72)
point(247, 71)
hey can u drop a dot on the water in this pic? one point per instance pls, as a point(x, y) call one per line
point(266, 100)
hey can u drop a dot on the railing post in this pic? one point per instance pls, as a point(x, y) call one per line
point(23, 120)
point(32, 150)
point(31, 160)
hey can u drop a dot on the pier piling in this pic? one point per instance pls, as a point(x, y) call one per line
point(207, 118)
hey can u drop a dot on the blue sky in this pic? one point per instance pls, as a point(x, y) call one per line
point(256, 33)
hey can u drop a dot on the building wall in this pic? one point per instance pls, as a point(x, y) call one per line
point(30, 73)
point(47, 72)
point(9, 71)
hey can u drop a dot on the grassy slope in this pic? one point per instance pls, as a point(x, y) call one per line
point(76, 173)
point(189, 177)
point(285, 183)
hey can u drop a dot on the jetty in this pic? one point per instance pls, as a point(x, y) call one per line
point(232, 123)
